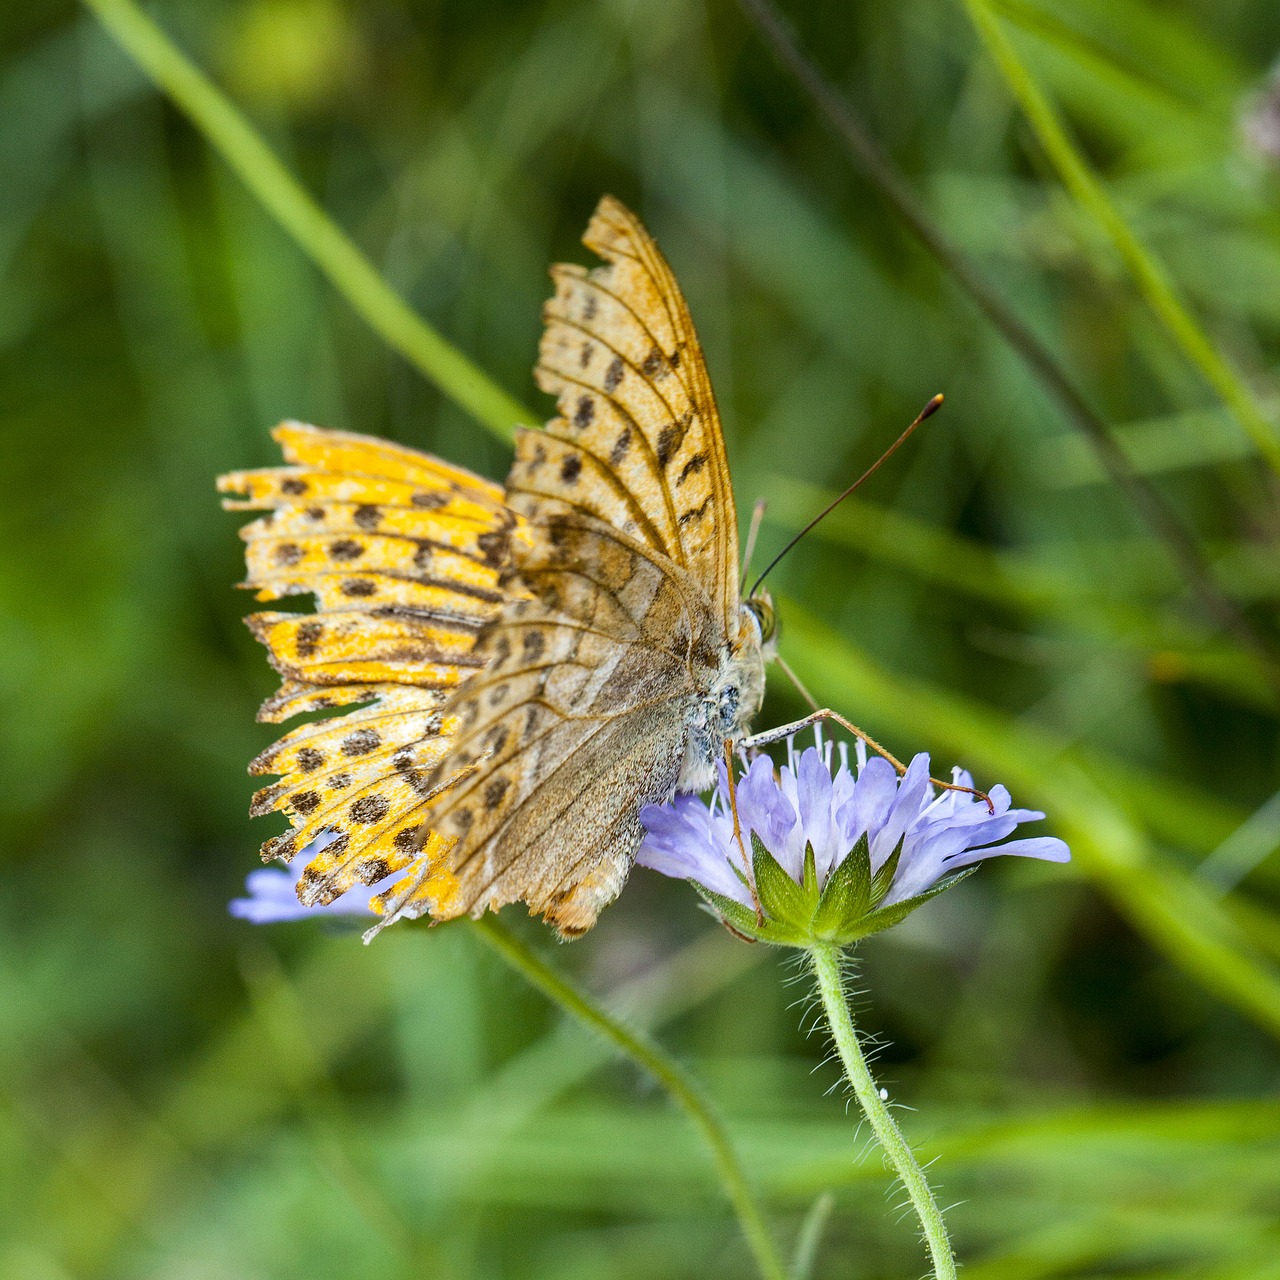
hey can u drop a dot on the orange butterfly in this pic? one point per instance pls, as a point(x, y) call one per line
point(531, 667)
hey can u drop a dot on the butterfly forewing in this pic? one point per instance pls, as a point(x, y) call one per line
point(638, 442)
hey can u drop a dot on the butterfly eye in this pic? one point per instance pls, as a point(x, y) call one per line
point(762, 607)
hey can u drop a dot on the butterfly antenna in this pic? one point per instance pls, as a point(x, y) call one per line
point(928, 411)
point(753, 532)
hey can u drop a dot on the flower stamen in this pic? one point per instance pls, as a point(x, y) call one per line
point(737, 830)
point(825, 713)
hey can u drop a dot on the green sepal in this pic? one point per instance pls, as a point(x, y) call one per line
point(883, 878)
point(846, 897)
point(782, 900)
point(797, 915)
point(743, 921)
point(739, 918)
point(810, 872)
point(883, 917)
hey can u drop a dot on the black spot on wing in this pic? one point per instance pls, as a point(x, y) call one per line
point(369, 809)
point(671, 436)
point(692, 467)
point(360, 742)
point(696, 513)
point(309, 637)
point(406, 839)
point(621, 446)
point(494, 792)
point(495, 546)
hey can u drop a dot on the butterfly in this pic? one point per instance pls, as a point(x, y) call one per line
point(526, 667)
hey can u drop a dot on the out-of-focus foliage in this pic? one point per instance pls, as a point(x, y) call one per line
point(1091, 1051)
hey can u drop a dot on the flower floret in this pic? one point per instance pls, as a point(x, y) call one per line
point(913, 839)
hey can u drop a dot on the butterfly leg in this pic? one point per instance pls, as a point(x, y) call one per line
point(820, 714)
point(825, 713)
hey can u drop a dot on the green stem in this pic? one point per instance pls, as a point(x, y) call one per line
point(323, 241)
point(1150, 276)
point(825, 958)
point(667, 1072)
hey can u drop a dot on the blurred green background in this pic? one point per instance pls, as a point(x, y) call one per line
point(1090, 1051)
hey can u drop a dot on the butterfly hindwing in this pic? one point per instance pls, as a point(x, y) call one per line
point(577, 722)
point(403, 555)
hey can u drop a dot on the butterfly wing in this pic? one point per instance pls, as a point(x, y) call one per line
point(638, 442)
point(583, 714)
point(578, 720)
point(403, 554)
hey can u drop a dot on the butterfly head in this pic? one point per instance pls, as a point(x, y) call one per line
point(759, 609)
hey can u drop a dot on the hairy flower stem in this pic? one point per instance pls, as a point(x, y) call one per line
point(825, 958)
point(668, 1073)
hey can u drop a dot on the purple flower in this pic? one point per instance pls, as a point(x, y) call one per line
point(273, 893)
point(908, 842)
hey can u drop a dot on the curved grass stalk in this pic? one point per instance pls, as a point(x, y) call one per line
point(326, 244)
point(1148, 274)
point(673, 1078)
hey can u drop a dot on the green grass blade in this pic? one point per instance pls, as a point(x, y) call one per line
point(1150, 276)
point(682, 1088)
point(330, 248)
point(1018, 581)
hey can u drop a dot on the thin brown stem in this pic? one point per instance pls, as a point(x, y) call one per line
point(785, 667)
point(737, 829)
point(753, 532)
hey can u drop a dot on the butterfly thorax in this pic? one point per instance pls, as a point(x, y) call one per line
point(726, 710)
